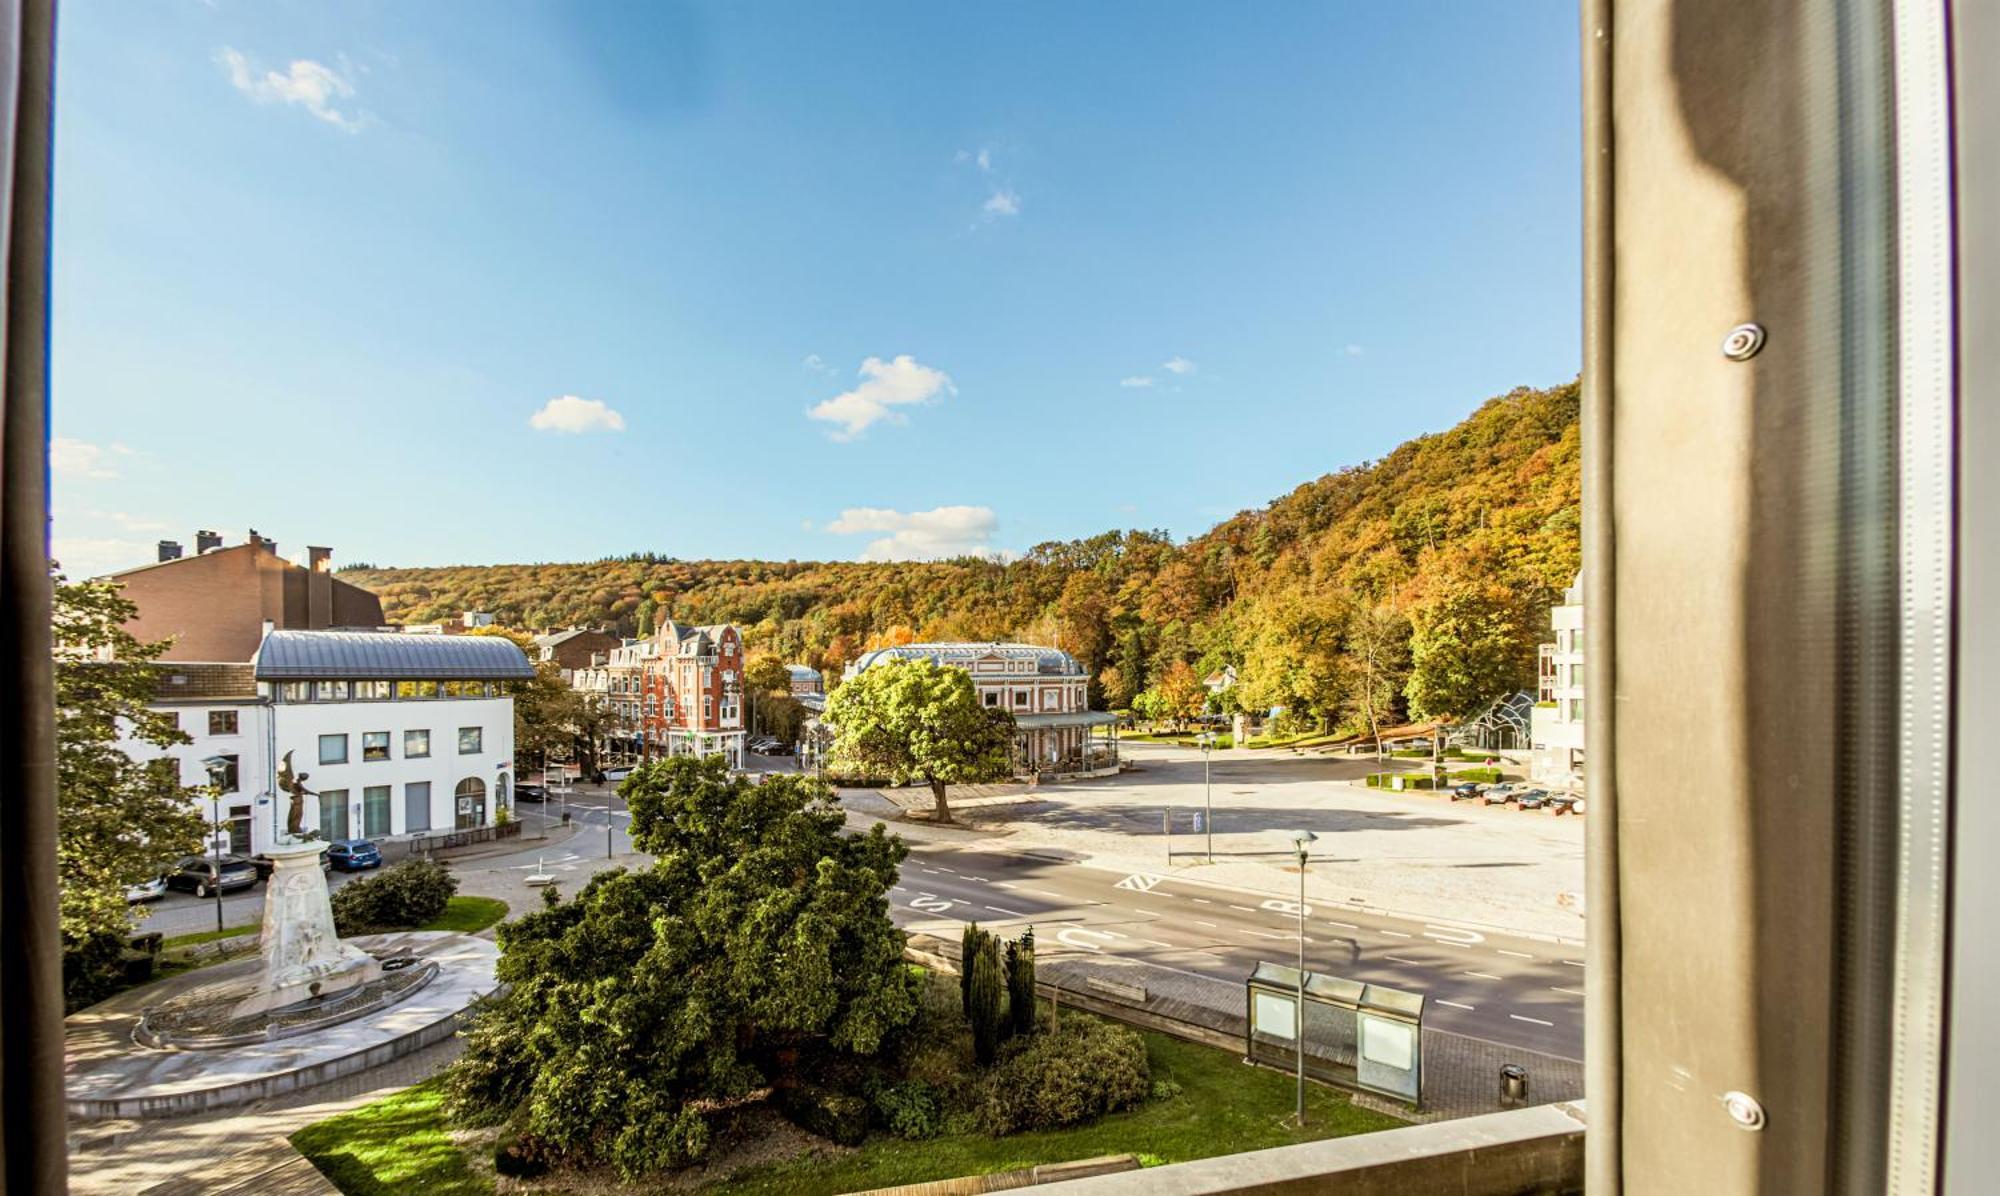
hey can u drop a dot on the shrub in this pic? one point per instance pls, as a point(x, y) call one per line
point(983, 1008)
point(1021, 983)
point(910, 1109)
point(398, 897)
point(1484, 776)
point(1071, 1072)
point(836, 1116)
point(520, 1154)
point(1411, 780)
point(1165, 1089)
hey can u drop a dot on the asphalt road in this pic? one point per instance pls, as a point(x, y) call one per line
point(1516, 991)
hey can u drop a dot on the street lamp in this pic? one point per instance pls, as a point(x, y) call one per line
point(1207, 793)
point(1302, 841)
point(216, 766)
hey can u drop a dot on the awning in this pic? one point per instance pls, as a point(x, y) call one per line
point(1080, 718)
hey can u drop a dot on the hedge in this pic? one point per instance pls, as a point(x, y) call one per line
point(1411, 780)
point(1483, 776)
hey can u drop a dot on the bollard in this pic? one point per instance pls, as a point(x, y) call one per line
point(1513, 1084)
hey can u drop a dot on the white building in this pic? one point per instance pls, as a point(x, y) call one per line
point(396, 735)
point(1046, 691)
point(1558, 718)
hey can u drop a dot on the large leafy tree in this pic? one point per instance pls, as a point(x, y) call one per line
point(1472, 643)
point(756, 946)
point(120, 820)
point(551, 720)
point(1182, 694)
point(918, 721)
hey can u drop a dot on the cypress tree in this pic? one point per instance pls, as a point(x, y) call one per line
point(983, 1001)
point(1021, 983)
point(968, 951)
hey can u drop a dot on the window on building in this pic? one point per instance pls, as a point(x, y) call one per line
point(469, 801)
point(707, 707)
point(416, 745)
point(407, 691)
point(375, 810)
point(226, 779)
point(471, 741)
point(222, 722)
point(296, 691)
point(239, 829)
point(173, 718)
point(371, 691)
point(992, 697)
point(374, 745)
point(333, 814)
point(333, 749)
point(417, 805)
point(1020, 697)
point(1576, 710)
point(331, 691)
point(1049, 697)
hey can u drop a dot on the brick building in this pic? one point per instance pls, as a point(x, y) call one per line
point(574, 648)
point(692, 700)
point(215, 603)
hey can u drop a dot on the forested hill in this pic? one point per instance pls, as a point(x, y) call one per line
point(1417, 584)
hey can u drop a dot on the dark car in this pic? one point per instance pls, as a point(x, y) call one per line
point(199, 874)
point(1531, 799)
point(1565, 803)
point(353, 855)
point(530, 793)
point(1467, 790)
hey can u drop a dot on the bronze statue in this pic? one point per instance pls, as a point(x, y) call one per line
point(295, 784)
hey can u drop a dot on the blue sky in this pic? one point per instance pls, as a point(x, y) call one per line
point(484, 282)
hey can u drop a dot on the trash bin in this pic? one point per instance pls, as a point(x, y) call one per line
point(1513, 1084)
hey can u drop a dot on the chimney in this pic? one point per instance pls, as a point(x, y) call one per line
point(319, 587)
point(257, 541)
point(205, 541)
point(170, 550)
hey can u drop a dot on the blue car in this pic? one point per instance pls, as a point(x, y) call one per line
point(353, 855)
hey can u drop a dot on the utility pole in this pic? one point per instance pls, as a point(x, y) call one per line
point(1303, 840)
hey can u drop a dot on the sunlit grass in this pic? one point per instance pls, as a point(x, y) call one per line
point(394, 1145)
point(468, 915)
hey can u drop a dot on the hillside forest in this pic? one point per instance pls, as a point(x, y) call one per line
point(1416, 586)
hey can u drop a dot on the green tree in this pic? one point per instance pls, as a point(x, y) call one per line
point(1181, 693)
point(644, 616)
point(1021, 982)
point(983, 1001)
point(119, 820)
point(756, 946)
point(1378, 652)
point(1468, 646)
point(915, 720)
point(550, 718)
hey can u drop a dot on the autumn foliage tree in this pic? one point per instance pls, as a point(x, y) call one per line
point(918, 721)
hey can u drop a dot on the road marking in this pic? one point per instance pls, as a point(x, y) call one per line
point(1139, 882)
point(1001, 884)
point(1453, 935)
point(1246, 909)
point(1400, 959)
point(1523, 1018)
point(1515, 954)
point(1286, 907)
point(1199, 922)
point(1344, 925)
point(1265, 934)
point(1481, 975)
point(1574, 992)
point(1072, 936)
point(1575, 963)
point(1201, 901)
point(1155, 943)
point(1012, 913)
point(1454, 1004)
point(1395, 934)
point(897, 889)
point(1043, 893)
point(931, 903)
point(932, 871)
point(980, 879)
point(942, 868)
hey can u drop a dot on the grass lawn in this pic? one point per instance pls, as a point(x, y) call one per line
point(207, 936)
point(468, 915)
point(1225, 1106)
point(397, 1144)
point(1184, 739)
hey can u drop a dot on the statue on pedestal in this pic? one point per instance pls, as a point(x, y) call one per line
point(295, 784)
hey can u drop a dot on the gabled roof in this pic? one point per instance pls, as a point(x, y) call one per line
point(198, 680)
point(1049, 662)
point(553, 638)
point(365, 655)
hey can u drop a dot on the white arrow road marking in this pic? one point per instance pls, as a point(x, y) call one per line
point(1141, 882)
point(1073, 936)
point(1286, 907)
point(1453, 935)
point(931, 903)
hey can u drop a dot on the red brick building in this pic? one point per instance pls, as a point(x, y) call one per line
point(692, 692)
point(215, 603)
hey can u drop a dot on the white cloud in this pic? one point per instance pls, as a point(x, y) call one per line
point(567, 413)
point(921, 535)
point(82, 459)
point(817, 364)
point(94, 556)
point(1003, 203)
point(887, 386)
point(1355, 350)
point(985, 160)
point(312, 85)
point(1135, 381)
point(1178, 365)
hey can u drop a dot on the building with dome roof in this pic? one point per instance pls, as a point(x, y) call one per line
point(1046, 691)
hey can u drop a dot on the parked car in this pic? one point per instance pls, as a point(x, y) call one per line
point(1531, 799)
point(531, 793)
point(146, 890)
point(1467, 790)
point(1499, 795)
point(198, 874)
point(353, 855)
point(265, 865)
point(1565, 803)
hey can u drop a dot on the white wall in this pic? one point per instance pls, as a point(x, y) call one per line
point(250, 745)
point(299, 726)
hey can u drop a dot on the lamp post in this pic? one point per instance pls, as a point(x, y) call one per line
point(216, 765)
point(1302, 841)
point(1207, 794)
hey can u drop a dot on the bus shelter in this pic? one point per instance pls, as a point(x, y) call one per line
point(1356, 1035)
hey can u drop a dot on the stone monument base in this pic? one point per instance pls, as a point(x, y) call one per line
point(304, 959)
